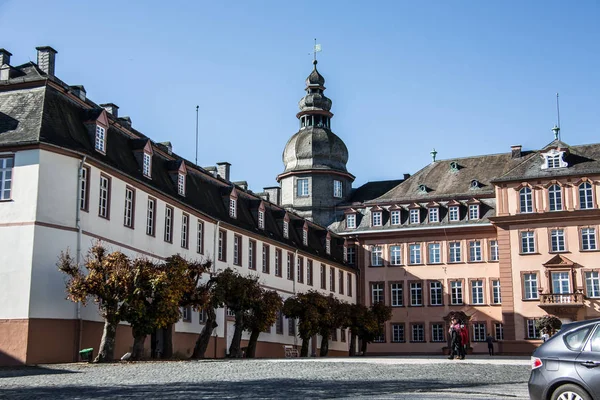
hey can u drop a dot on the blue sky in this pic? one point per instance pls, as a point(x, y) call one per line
point(465, 77)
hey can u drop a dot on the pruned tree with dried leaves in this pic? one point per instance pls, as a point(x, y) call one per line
point(261, 315)
point(306, 308)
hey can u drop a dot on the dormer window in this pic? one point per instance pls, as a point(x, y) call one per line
point(434, 214)
point(181, 184)
point(261, 219)
point(377, 218)
point(351, 221)
point(328, 245)
point(232, 207)
point(554, 159)
point(147, 165)
point(100, 139)
point(414, 216)
point(395, 217)
point(453, 166)
point(474, 184)
point(286, 229)
point(473, 211)
point(305, 236)
point(422, 189)
point(453, 213)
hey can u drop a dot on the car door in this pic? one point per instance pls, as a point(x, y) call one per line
point(588, 363)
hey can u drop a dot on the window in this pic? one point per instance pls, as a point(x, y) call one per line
point(266, 267)
point(300, 266)
point(455, 252)
point(592, 284)
point(251, 254)
point(279, 323)
point(232, 207)
point(585, 196)
point(395, 255)
point(292, 327)
point(557, 240)
point(453, 213)
point(186, 314)
point(261, 219)
point(437, 332)
point(560, 283)
point(129, 206)
point(334, 335)
point(473, 211)
point(435, 293)
point(100, 139)
point(104, 203)
point(494, 255)
point(499, 331)
point(527, 242)
point(327, 246)
point(553, 160)
point(398, 333)
point(286, 229)
point(351, 255)
point(290, 267)
point(531, 286)
point(414, 217)
point(376, 293)
point(395, 217)
point(379, 338)
point(479, 334)
point(305, 237)
point(331, 279)
point(418, 333)
point(147, 165)
point(349, 281)
point(475, 251)
point(185, 230)
point(309, 272)
point(342, 335)
point(434, 214)
point(555, 198)
point(397, 295)
point(181, 184)
point(415, 253)
point(377, 218)
point(337, 189)
point(278, 262)
point(496, 295)
point(6, 175)
point(588, 239)
point(168, 224)
point(526, 200)
point(351, 221)
point(434, 253)
point(576, 339)
point(416, 294)
point(151, 217)
point(532, 331)
point(456, 292)
point(200, 238)
point(302, 187)
point(222, 246)
point(323, 277)
point(477, 292)
point(376, 256)
point(341, 282)
point(202, 316)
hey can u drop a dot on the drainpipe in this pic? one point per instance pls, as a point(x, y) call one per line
point(294, 279)
point(78, 251)
point(215, 238)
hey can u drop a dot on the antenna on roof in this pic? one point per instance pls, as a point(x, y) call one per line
point(556, 128)
point(197, 107)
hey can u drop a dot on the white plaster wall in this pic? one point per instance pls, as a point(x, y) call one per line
point(22, 205)
point(15, 270)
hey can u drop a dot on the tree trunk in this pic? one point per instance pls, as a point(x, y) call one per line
point(204, 338)
point(168, 342)
point(304, 348)
point(251, 352)
point(352, 344)
point(235, 350)
point(364, 347)
point(137, 353)
point(106, 353)
point(324, 345)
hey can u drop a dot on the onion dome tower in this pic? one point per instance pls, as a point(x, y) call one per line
point(315, 178)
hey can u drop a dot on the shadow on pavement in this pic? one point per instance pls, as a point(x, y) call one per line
point(267, 388)
point(15, 372)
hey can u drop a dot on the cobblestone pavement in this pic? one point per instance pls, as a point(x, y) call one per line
point(339, 378)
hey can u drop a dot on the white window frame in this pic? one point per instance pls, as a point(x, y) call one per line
point(494, 250)
point(397, 294)
point(555, 202)
point(479, 332)
point(434, 251)
point(302, 189)
point(434, 214)
point(525, 200)
point(185, 230)
point(104, 197)
point(151, 217)
point(395, 254)
point(398, 333)
point(337, 189)
point(305, 237)
point(527, 242)
point(83, 185)
point(377, 218)
point(100, 139)
point(128, 212)
point(232, 207)
point(475, 254)
point(586, 197)
point(395, 217)
point(286, 229)
point(414, 216)
point(418, 333)
point(473, 212)
point(181, 184)
point(261, 219)
point(588, 239)
point(530, 283)
point(377, 293)
point(496, 292)
point(415, 253)
point(453, 214)
point(557, 240)
point(437, 333)
point(351, 221)
point(436, 293)
point(532, 330)
point(456, 293)
point(200, 237)
point(416, 294)
point(477, 296)
point(455, 252)
point(327, 246)
point(592, 284)
point(376, 255)
point(168, 237)
point(147, 164)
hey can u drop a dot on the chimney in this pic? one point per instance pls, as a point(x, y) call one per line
point(4, 57)
point(125, 121)
point(242, 184)
point(516, 151)
point(274, 193)
point(169, 147)
point(45, 59)
point(406, 176)
point(5, 72)
point(79, 91)
point(111, 108)
point(223, 169)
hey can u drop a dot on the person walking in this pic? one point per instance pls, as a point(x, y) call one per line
point(464, 340)
point(490, 341)
point(455, 339)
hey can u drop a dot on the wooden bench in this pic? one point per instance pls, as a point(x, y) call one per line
point(290, 352)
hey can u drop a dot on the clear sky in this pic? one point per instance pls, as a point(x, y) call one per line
point(465, 77)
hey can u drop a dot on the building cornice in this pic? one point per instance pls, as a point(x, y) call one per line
point(545, 217)
point(416, 229)
point(310, 171)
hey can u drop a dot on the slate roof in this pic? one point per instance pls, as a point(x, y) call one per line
point(372, 190)
point(43, 115)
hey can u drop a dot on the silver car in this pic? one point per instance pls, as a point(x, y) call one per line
point(567, 366)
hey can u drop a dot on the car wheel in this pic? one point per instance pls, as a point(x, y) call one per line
point(570, 392)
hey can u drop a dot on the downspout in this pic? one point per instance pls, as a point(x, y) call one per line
point(215, 238)
point(294, 279)
point(78, 251)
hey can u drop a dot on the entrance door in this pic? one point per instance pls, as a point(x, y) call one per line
point(561, 286)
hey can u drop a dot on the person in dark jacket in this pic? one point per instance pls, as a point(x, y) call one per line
point(490, 341)
point(455, 339)
point(464, 339)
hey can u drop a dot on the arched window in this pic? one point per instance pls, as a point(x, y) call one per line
point(585, 196)
point(555, 198)
point(526, 200)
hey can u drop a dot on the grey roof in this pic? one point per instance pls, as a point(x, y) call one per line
point(315, 148)
point(372, 190)
point(21, 115)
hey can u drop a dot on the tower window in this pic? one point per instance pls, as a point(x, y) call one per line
point(337, 189)
point(147, 165)
point(100, 139)
point(302, 190)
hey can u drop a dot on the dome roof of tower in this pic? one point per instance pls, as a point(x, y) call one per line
point(314, 101)
point(315, 148)
point(315, 78)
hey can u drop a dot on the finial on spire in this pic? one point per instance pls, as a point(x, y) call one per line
point(433, 154)
point(556, 128)
point(316, 49)
point(556, 131)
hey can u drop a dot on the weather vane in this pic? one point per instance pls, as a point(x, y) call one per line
point(316, 49)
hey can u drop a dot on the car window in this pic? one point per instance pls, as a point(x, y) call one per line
point(596, 341)
point(576, 339)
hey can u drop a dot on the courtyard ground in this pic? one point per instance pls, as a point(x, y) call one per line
point(477, 377)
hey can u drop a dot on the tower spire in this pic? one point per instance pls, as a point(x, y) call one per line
point(556, 128)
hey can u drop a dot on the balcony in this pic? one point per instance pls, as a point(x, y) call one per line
point(561, 305)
